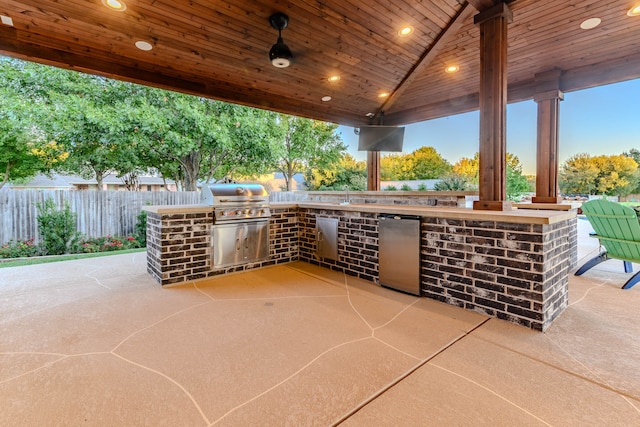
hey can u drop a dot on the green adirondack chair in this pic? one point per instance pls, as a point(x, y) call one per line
point(618, 230)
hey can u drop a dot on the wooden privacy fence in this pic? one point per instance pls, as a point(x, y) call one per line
point(99, 213)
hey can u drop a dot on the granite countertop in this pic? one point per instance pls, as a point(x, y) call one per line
point(177, 209)
point(520, 216)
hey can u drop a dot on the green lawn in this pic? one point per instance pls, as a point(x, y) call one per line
point(4, 263)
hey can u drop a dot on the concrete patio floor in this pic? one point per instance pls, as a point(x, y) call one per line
point(96, 342)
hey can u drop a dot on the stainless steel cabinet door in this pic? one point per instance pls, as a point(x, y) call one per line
point(227, 244)
point(327, 238)
point(236, 243)
point(256, 241)
point(400, 253)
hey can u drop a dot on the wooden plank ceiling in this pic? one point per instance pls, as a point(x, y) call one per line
point(219, 49)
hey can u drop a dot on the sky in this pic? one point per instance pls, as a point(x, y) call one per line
point(602, 120)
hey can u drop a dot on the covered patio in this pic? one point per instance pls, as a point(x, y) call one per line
point(98, 342)
point(379, 63)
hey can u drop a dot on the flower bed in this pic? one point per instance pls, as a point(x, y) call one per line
point(27, 248)
point(19, 249)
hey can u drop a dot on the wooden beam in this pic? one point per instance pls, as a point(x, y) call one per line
point(15, 43)
point(493, 107)
point(624, 69)
point(373, 170)
point(440, 42)
point(481, 5)
point(548, 97)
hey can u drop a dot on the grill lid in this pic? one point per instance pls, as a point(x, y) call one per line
point(216, 194)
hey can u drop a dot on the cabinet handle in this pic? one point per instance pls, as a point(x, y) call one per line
point(237, 244)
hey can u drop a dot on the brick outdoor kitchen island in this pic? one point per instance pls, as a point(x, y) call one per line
point(513, 265)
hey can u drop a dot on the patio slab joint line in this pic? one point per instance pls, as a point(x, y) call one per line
point(405, 375)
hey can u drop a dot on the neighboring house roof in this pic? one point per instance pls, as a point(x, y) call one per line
point(69, 182)
point(58, 182)
point(113, 179)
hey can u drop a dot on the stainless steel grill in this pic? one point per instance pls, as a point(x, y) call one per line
point(233, 202)
point(240, 231)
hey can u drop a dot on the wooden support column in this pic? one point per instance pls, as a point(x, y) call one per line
point(493, 108)
point(373, 170)
point(548, 96)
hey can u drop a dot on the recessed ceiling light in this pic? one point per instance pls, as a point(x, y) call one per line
point(383, 95)
point(326, 98)
point(635, 10)
point(451, 69)
point(334, 78)
point(590, 23)
point(6, 20)
point(117, 5)
point(405, 31)
point(143, 45)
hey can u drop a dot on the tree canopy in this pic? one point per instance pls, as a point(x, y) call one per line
point(24, 151)
point(517, 183)
point(92, 126)
point(607, 175)
point(423, 163)
point(346, 174)
point(306, 145)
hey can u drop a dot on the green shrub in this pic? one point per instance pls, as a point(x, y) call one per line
point(57, 228)
point(19, 249)
point(106, 244)
point(422, 187)
point(452, 182)
point(406, 187)
point(141, 228)
point(391, 188)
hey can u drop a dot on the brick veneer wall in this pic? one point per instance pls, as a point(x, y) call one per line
point(516, 272)
point(178, 245)
point(284, 235)
point(357, 242)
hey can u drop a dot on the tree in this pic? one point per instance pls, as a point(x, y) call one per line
point(191, 139)
point(578, 175)
point(392, 167)
point(85, 130)
point(426, 163)
point(23, 150)
point(70, 112)
point(618, 175)
point(634, 153)
point(306, 145)
point(468, 169)
point(109, 126)
point(423, 163)
point(16, 158)
point(517, 183)
point(348, 173)
point(609, 175)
